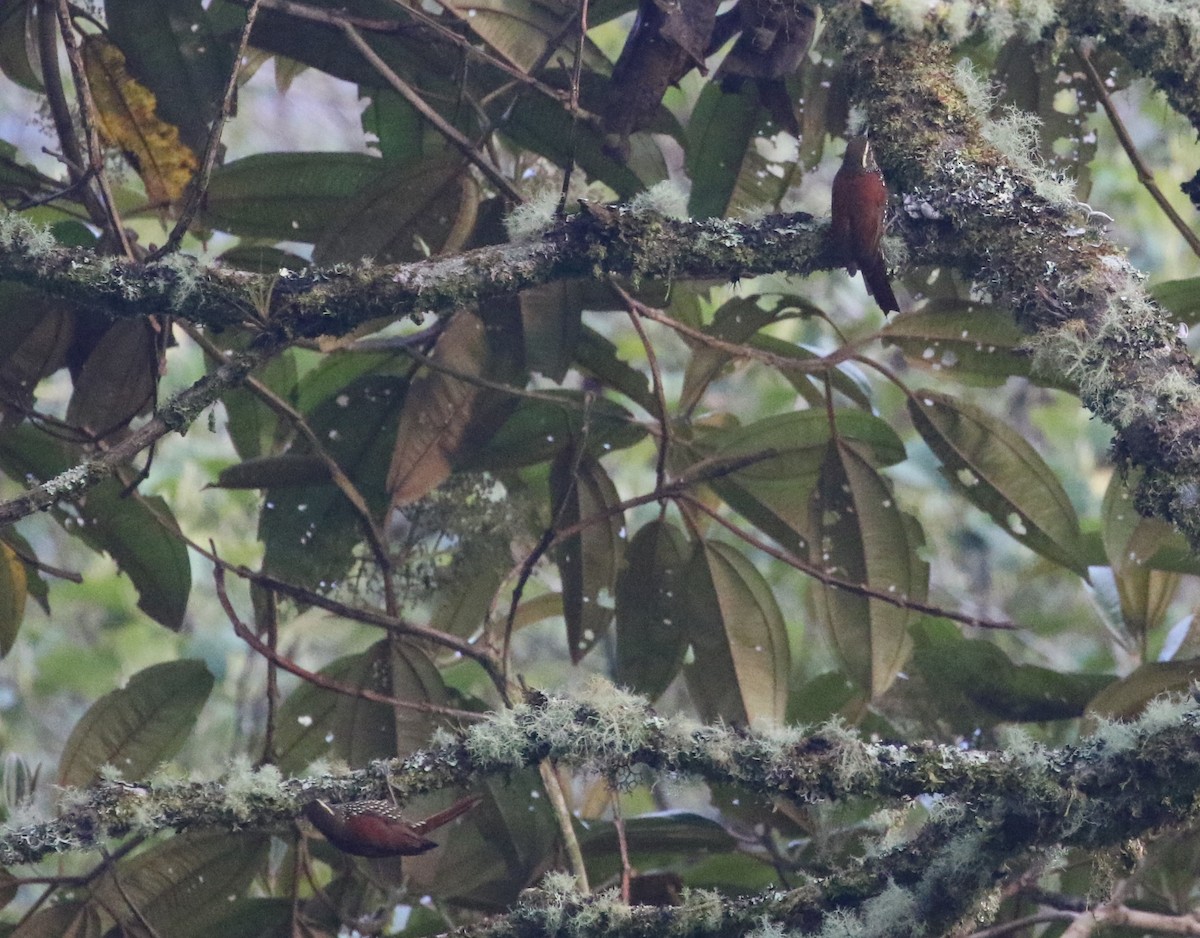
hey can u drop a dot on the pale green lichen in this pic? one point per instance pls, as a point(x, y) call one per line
point(528, 221)
point(664, 198)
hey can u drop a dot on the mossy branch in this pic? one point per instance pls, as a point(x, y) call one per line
point(1123, 782)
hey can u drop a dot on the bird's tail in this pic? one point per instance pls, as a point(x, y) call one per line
point(434, 821)
point(876, 278)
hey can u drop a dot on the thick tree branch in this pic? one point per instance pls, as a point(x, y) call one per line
point(1126, 781)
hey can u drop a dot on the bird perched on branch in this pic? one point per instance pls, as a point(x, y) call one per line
point(859, 202)
point(377, 829)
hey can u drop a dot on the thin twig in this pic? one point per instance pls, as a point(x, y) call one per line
point(1007, 928)
point(366, 616)
point(635, 309)
point(344, 483)
point(859, 589)
point(177, 414)
point(573, 106)
point(198, 188)
point(312, 677)
point(1145, 177)
point(91, 135)
point(449, 131)
point(558, 801)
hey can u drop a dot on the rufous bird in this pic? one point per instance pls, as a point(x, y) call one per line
point(859, 203)
point(377, 829)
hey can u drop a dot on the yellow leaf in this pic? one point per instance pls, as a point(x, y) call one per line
point(12, 596)
point(127, 120)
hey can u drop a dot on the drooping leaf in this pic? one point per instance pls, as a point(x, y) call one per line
point(447, 417)
point(973, 342)
point(493, 852)
point(316, 722)
point(408, 212)
point(183, 885)
point(552, 317)
point(310, 531)
point(738, 637)
point(70, 919)
point(521, 32)
point(859, 535)
point(127, 119)
point(140, 534)
point(973, 680)
point(13, 591)
point(1132, 543)
point(138, 726)
point(173, 49)
point(288, 196)
point(588, 560)
point(119, 378)
point(651, 610)
point(787, 450)
point(537, 429)
point(998, 471)
point(18, 45)
point(720, 136)
point(1126, 698)
point(1181, 297)
point(598, 357)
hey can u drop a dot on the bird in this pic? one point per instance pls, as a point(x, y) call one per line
point(859, 201)
point(376, 829)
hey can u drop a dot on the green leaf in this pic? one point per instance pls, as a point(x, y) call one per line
point(972, 680)
point(588, 561)
point(493, 852)
point(70, 919)
point(859, 535)
point(138, 533)
point(319, 723)
point(271, 472)
point(395, 123)
point(741, 665)
point(407, 213)
point(598, 357)
point(13, 591)
point(773, 492)
point(18, 46)
point(720, 139)
point(973, 342)
point(1126, 698)
point(183, 886)
point(651, 615)
point(996, 470)
point(552, 319)
point(538, 428)
point(1181, 297)
point(521, 31)
point(170, 47)
point(541, 125)
point(254, 428)
point(286, 196)
point(1131, 544)
point(310, 531)
point(139, 726)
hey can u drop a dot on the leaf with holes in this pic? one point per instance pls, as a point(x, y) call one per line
point(998, 471)
point(446, 416)
point(859, 535)
point(588, 560)
point(742, 661)
point(137, 727)
point(650, 617)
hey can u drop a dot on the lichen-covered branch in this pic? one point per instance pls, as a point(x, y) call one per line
point(333, 301)
point(997, 809)
point(987, 212)
point(174, 414)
